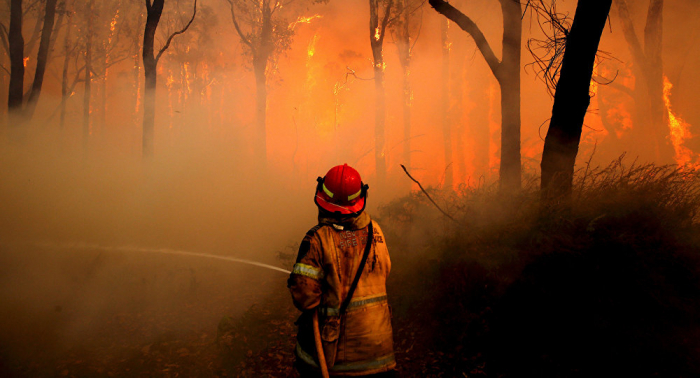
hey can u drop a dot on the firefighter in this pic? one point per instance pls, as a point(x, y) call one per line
point(340, 276)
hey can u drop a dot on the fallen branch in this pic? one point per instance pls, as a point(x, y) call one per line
point(428, 195)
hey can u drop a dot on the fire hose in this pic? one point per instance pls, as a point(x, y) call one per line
point(319, 347)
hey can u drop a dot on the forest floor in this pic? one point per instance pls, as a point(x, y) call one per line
point(608, 285)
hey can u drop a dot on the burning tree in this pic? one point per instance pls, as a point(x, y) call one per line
point(648, 62)
point(377, 29)
point(154, 9)
point(507, 73)
point(266, 31)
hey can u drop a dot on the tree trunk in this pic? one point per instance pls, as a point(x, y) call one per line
point(64, 77)
point(88, 75)
point(260, 134)
point(650, 65)
point(42, 58)
point(379, 112)
point(507, 72)
point(572, 98)
point(445, 103)
point(509, 79)
point(16, 43)
point(404, 49)
point(149, 69)
point(653, 36)
point(376, 37)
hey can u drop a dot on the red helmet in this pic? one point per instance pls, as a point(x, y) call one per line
point(341, 192)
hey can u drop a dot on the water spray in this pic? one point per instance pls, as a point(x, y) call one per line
point(166, 251)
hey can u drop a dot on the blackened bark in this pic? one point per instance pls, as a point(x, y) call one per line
point(154, 12)
point(42, 58)
point(509, 80)
point(507, 72)
point(572, 98)
point(16, 43)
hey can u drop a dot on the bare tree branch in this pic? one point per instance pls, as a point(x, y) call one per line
point(466, 24)
point(428, 195)
point(170, 39)
point(238, 28)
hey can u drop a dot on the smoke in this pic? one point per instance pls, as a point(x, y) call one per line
point(205, 191)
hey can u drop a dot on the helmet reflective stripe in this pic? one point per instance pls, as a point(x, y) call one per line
point(328, 192)
point(353, 196)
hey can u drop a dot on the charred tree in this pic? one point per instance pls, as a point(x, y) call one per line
point(572, 98)
point(650, 64)
point(17, 108)
point(42, 58)
point(16, 44)
point(377, 29)
point(507, 73)
point(154, 10)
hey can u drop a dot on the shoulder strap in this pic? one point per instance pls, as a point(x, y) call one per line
point(360, 269)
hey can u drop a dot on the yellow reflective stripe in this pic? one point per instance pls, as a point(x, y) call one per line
point(356, 304)
point(308, 271)
point(330, 194)
point(348, 367)
point(352, 197)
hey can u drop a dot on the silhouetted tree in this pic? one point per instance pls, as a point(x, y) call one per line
point(572, 97)
point(16, 93)
point(507, 73)
point(154, 10)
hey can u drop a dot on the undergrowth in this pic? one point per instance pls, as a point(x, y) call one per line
point(606, 284)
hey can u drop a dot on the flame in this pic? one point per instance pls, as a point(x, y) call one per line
point(112, 27)
point(26, 60)
point(304, 20)
point(377, 34)
point(680, 130)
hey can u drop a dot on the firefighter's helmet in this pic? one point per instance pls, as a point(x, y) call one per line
point(341, 192)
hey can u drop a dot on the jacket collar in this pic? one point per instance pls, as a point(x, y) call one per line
point(355, 223)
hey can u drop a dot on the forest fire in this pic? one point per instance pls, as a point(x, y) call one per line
point(145, 143)
point(680, 130)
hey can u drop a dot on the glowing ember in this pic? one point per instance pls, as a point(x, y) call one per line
point(377, 34)
point(680, 130)
point(26, 60)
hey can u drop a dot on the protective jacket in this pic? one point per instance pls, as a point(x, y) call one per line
point(328, 260)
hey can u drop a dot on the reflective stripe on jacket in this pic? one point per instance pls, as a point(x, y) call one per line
point(325, 268)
